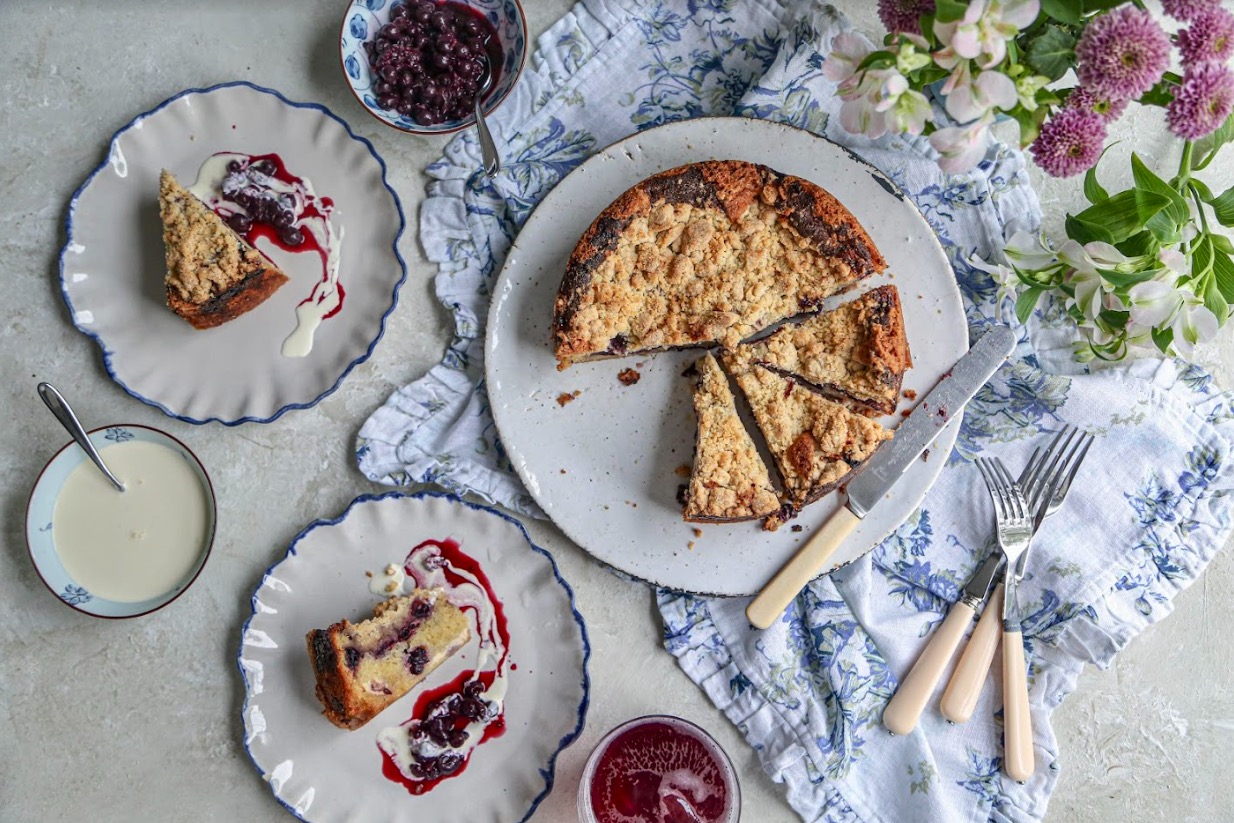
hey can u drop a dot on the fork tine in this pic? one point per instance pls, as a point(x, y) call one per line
point(1007, 484)
point(996, 492)
point(1041, 458)
point(1056, 452)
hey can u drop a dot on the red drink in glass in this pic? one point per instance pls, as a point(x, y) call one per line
point(658, 769)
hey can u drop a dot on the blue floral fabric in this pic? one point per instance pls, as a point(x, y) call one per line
point(1149, 511)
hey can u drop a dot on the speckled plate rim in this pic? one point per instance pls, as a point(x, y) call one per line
point(102, 166)
point(209, 549)
point(918, 478)
point(548, 772)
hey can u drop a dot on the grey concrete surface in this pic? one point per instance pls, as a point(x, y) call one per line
point(140, 720)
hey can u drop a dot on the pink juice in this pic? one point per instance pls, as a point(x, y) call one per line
point(659, 769)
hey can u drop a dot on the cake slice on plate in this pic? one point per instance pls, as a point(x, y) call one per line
point(857, 353)
point(712, 252)
point(362, 668)
point(212, 275)
point(817, 443)
point(729, 482)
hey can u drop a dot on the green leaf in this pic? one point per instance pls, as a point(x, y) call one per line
point(1206, 147)
point(1201, 188)
point(1223, 207)
point(1216, 303)
point(1026, 302)
point(1201, 258)
point(1029, 121)
point(1159, 95)
point(1082, 231)
point(1139, 244)
point(1092, 189)
point(949, 11)
point(1064, 11)
point(1052, 52)
point(1123, 279)
point(1092, 6)
point(1167, 223)
point(1125, 213)
point(1223, 274)
point(877, 60)
point(1163, 338)
point(1222, 243)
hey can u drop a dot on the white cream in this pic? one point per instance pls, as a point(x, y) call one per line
point(388, 582)
point(138, 544)
point(325, 296)
point(426, 567)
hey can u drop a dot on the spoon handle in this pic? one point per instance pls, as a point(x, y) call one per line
point(60, 408)
point(488, 149)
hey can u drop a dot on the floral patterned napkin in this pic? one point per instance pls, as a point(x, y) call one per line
point(1147, 513)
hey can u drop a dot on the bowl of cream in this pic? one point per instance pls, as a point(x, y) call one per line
point(121, 554)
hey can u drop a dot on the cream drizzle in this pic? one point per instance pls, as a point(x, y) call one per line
point(325, 296)
point(426, 569)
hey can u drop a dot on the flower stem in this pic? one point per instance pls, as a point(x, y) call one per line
point(1184, 167)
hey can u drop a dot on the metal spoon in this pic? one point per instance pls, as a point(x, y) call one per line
point(64, 413)
point(488, 149)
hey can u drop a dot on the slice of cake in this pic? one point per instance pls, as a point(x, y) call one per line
point(212, 275)
point(706, 253)
point(817, 443)
point(362, 668)
point(857, 353)
point(729, 482)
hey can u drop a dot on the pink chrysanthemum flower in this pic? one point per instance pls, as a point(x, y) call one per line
point(1069, 143)
point(1187, 9)
point(1108, 110)
point(1202, 102)
point(904, 15)
point(1209, 38)
point(1122, 53)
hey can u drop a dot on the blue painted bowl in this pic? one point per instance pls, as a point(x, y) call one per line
point(364, 18)
point(42, 506)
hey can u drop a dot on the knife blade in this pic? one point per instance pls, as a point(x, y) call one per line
point(943, 403)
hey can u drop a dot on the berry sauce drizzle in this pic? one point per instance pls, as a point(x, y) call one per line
point(450, 721)
point(260, 199)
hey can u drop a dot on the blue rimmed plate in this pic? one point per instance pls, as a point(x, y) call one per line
point(320, 772)
point(42, 506)
point(112, 266)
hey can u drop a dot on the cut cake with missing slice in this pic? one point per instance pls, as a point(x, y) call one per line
point(212, 275)
point(729, 481)
point(857, 352)
point(362, 668)
point(817, 443)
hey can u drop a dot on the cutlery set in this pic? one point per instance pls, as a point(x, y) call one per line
point(1020, 507)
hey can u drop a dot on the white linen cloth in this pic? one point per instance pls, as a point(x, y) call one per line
point(1147, 514)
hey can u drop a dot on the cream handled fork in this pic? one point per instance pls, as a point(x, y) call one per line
point(967, 680)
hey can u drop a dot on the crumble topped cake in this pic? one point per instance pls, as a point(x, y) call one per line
point(707, 253)
point(857, 353)
point(212, 275)
point(817, 443)
point(729, 481)
point(362, 668)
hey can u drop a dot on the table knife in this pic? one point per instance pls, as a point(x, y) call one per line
point(914, 691)
point(883, 469)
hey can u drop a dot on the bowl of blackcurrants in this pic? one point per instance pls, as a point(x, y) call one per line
point(416, 65)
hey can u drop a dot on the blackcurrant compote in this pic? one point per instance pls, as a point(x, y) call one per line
point(427, 62)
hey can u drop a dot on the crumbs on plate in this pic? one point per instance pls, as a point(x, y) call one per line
point(682, 471)
point(628, 377)
point(567, 397)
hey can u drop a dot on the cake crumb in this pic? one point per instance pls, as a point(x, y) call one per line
point(682, 471)
point(566, 397)
point(697, 532)
point(925, 455)
point(910, 394)
point(368, 574)
point(796, 527)
point(629, 377)
point(391, 569)
point(906, 412)
point(391, 587)
point(690, 545)
point(563, 471)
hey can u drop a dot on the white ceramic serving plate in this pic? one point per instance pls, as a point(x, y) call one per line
point(604, 466)
point(323, 773)
point(42, 505)
point(112, 267)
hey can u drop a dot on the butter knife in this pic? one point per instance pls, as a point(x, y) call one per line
point(883, 470)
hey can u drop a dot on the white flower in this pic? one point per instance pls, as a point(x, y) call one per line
point(970, 98)
point(983, 32)
point(1153, 303)
point(1195, 323)
point(1175, 261)
point(913, 53)
point(961, 147)
point(909, 113)
point(1003, 276)
point(847, 51)
point(1026, 88)
point(1028, 252)
point(1091, 290)
point(868, 96)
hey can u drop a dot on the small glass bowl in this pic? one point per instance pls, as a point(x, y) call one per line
point(586, 813)
point(42, 505)
point(362, 20)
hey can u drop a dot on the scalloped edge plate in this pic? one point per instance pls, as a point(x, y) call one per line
point(113, 263)
point(320, 772)
point(604, 467)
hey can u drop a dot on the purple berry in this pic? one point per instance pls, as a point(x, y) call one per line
point(351, 657)
point(398, 12)
point(449, 763)
point(473, 688)
point(291, 236)
point(417, 659)
point(458, 738)
point(241, 223)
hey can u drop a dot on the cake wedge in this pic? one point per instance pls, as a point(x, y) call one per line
point(856, 353)
point(817, 443)
point(213, 275)
point(729, 481)
point(362, 668)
